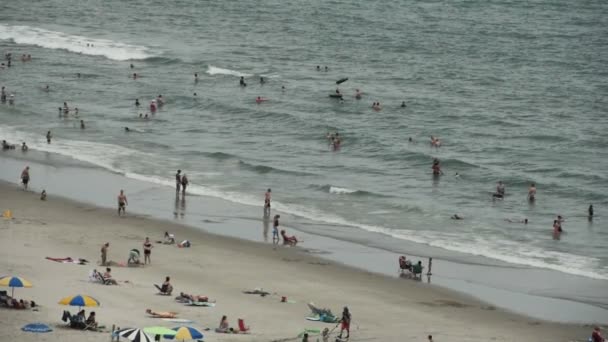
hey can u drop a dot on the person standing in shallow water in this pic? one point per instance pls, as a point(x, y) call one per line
point(48, 137)
point(178, 180)
point(590, 211)
point(122, 202)
point(184, 184)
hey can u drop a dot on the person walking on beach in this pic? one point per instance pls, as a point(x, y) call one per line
point(267, 198)
point(345, 323)
point(104, 253)
point(48, 137)
point(184, 184)
point(178, 180)
point(25, 177)
point(122, 202)
point(275, 229)
point(147, 251)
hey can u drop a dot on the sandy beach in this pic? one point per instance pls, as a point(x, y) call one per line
point(383, 308)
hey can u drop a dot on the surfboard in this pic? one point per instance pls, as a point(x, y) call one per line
point(205, 304)
point(337, 96)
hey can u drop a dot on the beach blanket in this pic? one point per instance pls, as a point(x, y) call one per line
point(205, 304)
point(69, 260)
point(324, 319)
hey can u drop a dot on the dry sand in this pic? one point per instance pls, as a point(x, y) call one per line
point(383, 308)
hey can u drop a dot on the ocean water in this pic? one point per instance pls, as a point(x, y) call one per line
point(517, 91)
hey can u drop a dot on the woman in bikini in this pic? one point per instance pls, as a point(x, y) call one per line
point(147, 251)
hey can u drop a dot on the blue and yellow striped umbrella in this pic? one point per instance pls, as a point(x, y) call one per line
point(185, 333)
point(13, 282)
point(79, 300)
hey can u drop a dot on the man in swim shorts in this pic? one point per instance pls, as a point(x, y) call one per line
point(25, 177)
point(242, 82)
point(122, 202)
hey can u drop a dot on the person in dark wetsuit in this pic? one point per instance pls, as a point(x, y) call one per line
point(48, 137)
point(590, 211)
point(242, 82)
point(137, 104)
point(500, 190)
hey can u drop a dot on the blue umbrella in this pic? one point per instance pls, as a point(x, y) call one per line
point(37, 328)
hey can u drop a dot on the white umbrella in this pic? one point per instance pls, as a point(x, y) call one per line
point(135, 335)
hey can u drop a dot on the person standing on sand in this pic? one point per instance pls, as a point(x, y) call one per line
point(147, 251)
point(25, 177)
point(178, 180)
point(345, 323)
point(104, 253)
point(48, 137)
point(275, 229)
point(122, 202)
point(184, 184)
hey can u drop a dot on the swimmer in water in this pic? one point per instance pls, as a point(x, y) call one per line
point(357, 94)
point(524, 221)
point(141, 115)
point(403, 104)
point(46, 88)
point(242, 82)
point(137, 104)
point(146, 116)
point(590, 212)
point(195, 77)
point(326, 68)
point(262, 80)
point(127, 129)
point(48, 137)
point(436, 168)
point(283, 88)
point(338, 91)
point(500, 190)
point(160, 100)
point(81, 124)
point(76, 111)
point(457, 175)
point(532, 192)
point(24, 147)
point(134, 75)
point(318, 68)
point(131, 65)
point(457, 217)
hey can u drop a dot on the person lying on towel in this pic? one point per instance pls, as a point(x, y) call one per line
point(161, 314)
point(184, 297)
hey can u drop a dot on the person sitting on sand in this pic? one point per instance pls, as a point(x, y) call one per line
point(288, 240)
point(184, 244)
point(166, 288)
point(224, 327)
point(161, 314)
point(169, 239)
point(107, 276)
point(91, 322)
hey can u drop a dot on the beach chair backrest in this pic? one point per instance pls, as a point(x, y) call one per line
point(242, 326)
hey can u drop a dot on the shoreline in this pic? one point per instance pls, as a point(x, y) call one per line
point(386, 308)
point(498, 284)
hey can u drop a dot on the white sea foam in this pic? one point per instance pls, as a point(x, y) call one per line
point(212, 70)
point(58, 40)
point(107, 155)
point(339, 191)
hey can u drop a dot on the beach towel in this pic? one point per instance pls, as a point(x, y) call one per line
point(177, 320)
point(68, 260)
point(205, 304)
